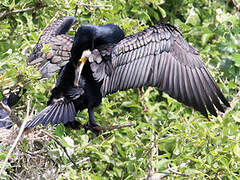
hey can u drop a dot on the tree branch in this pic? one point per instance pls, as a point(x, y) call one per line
point(18, 137)
point(176, 172)
point(5, 14)
point(93, 5)
point(63, 147)
point(150, 168)
point(236, 4)
point(11, 114)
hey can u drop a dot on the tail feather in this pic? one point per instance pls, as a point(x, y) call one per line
point(59, 112)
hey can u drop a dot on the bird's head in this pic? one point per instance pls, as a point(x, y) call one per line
point(90, 37)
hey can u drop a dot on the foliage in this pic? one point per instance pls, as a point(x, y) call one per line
point(170, 133)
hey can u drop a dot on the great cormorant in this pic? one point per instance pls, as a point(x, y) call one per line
point(49, 61)
point(158, 57)
point(11, 100)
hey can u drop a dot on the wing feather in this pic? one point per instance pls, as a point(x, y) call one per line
point(202, 93)
point(123, 76)
point(160, 57)
point(59, 43)
point(60, 111)
point(176, 82)
point(212, 92)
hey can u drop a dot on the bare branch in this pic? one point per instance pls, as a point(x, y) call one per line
point(5, 14)
point(11, 114)
point(236, 4)
point(84, 160)
point(62, 146)
point(151, 169)
point(175, 172)
point(93, 5)
point(17, 139)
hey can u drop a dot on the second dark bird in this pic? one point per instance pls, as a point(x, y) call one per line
point(10, 101)
point(158, 57)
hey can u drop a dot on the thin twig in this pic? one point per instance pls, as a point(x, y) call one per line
point(151, 169)
point(175, 172)
point(17, 139)
point(11, 114)
point(63, 147)
point(4, 14)
point(76, 9)
point(93, 5)
point(84, 160)
point(236, 4)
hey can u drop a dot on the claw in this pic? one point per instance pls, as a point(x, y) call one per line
point(91, 127)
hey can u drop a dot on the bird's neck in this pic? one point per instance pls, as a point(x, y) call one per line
point(66, 76)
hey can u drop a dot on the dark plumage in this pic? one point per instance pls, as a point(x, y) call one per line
point(54, 35)
point(158, 56)
point(5, 120)
point(60, 44)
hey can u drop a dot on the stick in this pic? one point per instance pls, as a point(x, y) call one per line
point(11, 114)
point(63, 147)
point(151, 169)
point(236, 4)
point(17, 139)
point(175, 172)
point(93, 5)
point(4, 14)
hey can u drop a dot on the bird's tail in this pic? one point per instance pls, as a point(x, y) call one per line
point(56, 113)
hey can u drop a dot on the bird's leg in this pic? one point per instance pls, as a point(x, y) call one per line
point(91, 123)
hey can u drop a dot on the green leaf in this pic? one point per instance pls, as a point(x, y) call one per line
point(236, 58)
point(193, 18)
point(162, 11)
point(236, 150)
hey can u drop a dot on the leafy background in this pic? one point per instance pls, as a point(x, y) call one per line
point(169, 139)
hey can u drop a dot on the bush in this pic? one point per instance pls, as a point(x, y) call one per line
point(169, 138)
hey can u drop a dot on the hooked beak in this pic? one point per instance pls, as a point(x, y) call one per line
point(81, 62)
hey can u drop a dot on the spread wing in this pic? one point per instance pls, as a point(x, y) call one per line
point(58, 46)
point(60, 109)
point(160, 57)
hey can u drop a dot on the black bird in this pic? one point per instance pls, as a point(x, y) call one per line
point(66, 99)
point(11, 100)
point(158, 56)
point(59, 46)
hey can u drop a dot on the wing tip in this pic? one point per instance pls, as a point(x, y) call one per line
point(53, 114)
